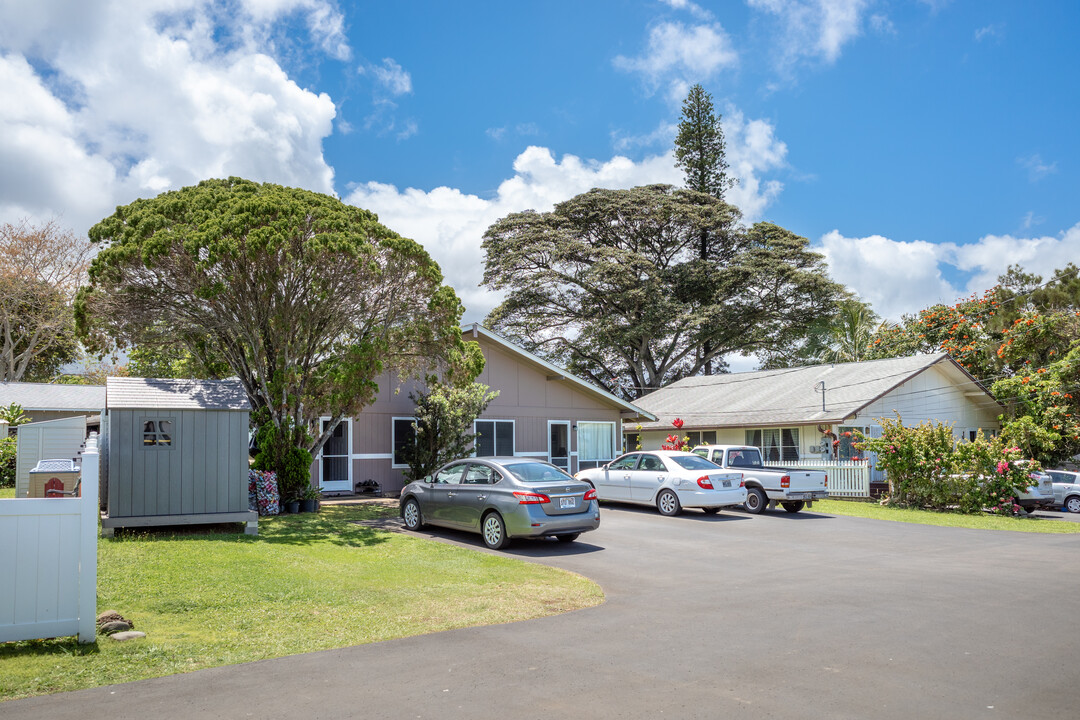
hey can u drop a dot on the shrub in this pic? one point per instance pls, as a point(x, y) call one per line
point(7, 462)
point(927, 468)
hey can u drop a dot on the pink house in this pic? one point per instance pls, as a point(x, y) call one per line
point(542, 411)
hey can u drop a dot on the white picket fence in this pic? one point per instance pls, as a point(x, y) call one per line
point(48, 562)
point(847, 478)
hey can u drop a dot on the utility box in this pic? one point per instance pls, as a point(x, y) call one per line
point(56, 474)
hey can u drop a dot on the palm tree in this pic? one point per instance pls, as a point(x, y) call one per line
point(851, 335)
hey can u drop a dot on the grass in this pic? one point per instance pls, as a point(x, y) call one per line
point(945, 519)
point(7, 492)
point(307, 582)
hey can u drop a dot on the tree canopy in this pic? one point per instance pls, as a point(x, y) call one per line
point(41, 269)
point(305, 299)
point(611, 284)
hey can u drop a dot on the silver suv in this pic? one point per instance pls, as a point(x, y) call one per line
point(1066, 489)
point(1039, 495)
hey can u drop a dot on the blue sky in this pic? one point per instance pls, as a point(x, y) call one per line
point(921, 145)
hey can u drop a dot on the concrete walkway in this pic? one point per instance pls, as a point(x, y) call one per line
point(773, 616)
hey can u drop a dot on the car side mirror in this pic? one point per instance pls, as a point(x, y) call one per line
point(429, 479)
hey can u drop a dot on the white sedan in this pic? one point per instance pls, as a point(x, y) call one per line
point(669, 479)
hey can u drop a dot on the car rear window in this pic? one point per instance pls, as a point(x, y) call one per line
point(537, 472)
point(693, 462)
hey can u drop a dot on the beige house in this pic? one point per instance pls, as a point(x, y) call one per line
point(795, 414)
point(542, 411)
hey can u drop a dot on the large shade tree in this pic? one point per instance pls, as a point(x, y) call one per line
point(41, 269)
point(305, 299)
point(612, 285)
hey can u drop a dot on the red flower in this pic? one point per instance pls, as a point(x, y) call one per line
point(678, 423)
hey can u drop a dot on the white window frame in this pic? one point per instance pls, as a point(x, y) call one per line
point(614, 449)
point(513, 436)
point(393, 438)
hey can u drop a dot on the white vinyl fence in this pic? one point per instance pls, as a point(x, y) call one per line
point(48, 562)
point(847, 478)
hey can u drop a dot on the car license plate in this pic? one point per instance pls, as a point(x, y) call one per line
point(567, 502)
point(727, 483)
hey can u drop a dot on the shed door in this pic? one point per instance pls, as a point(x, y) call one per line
point(336, 475)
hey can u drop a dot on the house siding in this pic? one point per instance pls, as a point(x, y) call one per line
point(526, 396)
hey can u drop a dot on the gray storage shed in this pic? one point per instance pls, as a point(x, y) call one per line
point(177, 453)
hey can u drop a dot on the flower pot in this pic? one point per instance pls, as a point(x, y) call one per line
point(293, 506)
point(308, 505)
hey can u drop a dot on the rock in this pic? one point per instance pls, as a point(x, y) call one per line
point(115, 626)
point(128, 635)
point(108, 616)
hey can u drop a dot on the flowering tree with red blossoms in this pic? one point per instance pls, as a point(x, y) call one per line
point(674, 442)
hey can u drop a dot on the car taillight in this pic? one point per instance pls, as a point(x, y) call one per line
point(742, 483)
point(528, 498)
point(590, 495)
point(826, 479)
point(785, 481)
point(704, 482)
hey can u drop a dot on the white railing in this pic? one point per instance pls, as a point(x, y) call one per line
point(847, 478)
point(48, 562)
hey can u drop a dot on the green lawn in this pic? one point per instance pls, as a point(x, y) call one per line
point(307, 582)
point(7, 493)
point(930, 517)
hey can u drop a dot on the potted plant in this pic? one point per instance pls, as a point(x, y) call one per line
point(309, 501)
point(292, 505)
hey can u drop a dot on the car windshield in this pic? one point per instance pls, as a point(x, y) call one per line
point(745, 457)
point(537, 472)
point(693, 462)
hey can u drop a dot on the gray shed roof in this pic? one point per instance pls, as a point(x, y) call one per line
point(46, 396)
point(134, 393)
point(787, 397)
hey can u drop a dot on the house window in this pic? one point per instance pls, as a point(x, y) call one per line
point(157, 433)
point(705, 437)
point(633, 442)
point(596, 443)
point(776, 444)
point(494, 437)
point(403, 436)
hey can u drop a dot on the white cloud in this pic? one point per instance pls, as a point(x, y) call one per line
point(451, 224)
point(693, 8)
point(140, 96)
point(898, 277)
point(682, 54)
point(814, 28)
point(1036, 167)
point(391, 76)
point(882, 25)
point(993, 31)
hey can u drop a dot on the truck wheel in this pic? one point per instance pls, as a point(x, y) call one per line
point(668, 503)
point(1072, 504)
point(794, 507)
point(756, 501)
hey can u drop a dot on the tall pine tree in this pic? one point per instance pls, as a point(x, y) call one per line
point(700, 154)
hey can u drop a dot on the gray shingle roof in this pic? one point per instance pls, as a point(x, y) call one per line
point(787, 396)
point(45, 396)
point(131, 393)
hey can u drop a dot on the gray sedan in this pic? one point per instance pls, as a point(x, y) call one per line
point(502, 498)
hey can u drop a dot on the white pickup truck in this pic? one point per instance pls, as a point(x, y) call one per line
point(792, 489)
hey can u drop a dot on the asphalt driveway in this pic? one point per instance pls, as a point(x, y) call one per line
point(773, 616)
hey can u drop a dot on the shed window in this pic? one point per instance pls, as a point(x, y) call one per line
point(157, 433)
point(404, 436)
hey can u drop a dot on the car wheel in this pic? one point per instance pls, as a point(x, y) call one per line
point(755, 501)
point(494, 531)
point(667, 503)
point(710, 511)
point(411, 513)
point(794, 507)
point(569, 538)
point(1072, 504)
point(1030, 510)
